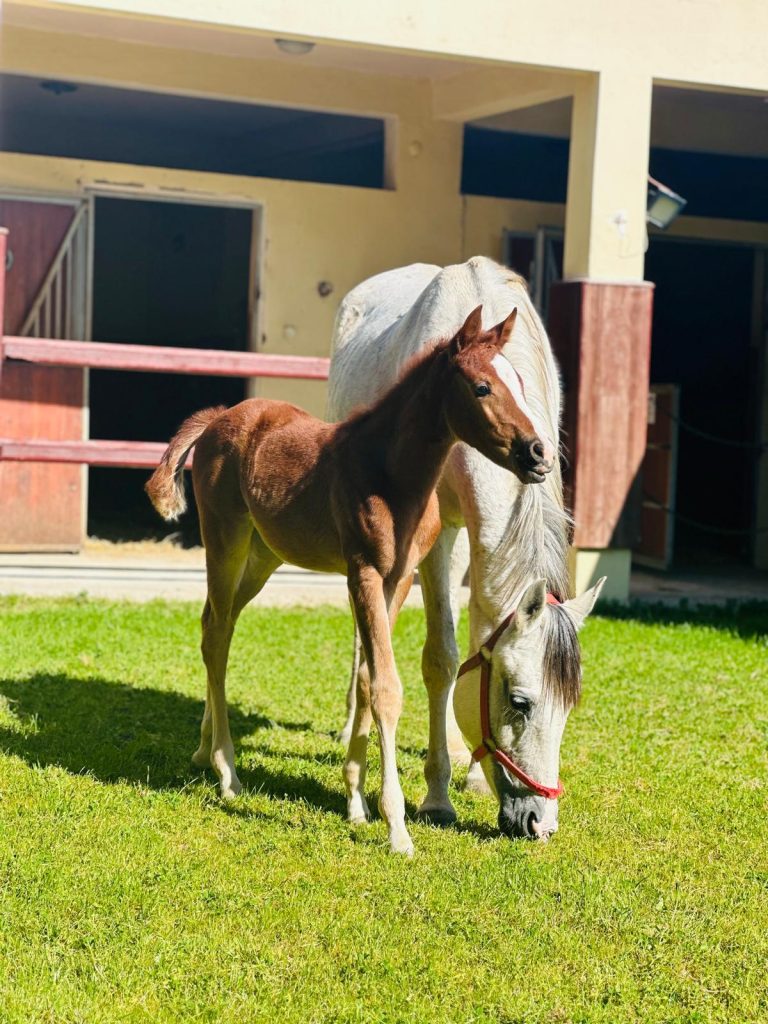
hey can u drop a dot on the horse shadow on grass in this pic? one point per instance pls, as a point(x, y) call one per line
point(119, 733)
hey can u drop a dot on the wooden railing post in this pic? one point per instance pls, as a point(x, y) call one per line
point(3, 253)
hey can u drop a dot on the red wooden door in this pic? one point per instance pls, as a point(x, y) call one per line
point(659, 476)
point(41, 505)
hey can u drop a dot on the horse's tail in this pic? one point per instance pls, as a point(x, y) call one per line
point(166, 485)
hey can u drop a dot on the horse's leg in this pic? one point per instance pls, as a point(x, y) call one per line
point(346, 733)
point(440, 573)
point(227, 548)
point(386, 696)
point(454, 571)
point(356, 763)
point(259, 567)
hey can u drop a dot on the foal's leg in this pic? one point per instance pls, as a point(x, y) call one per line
point(346, 733)
point(356, 763)
point(259, 567)
point(386, 694)
point(228, 542)
point(441, 573)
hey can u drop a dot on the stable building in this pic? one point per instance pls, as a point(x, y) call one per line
point(219, 176)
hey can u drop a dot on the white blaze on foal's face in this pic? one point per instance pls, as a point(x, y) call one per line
point(510, 377)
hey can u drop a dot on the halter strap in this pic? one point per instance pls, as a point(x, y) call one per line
point(487, 746)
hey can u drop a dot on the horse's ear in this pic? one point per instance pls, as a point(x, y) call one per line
point(503, 331)
point(580, 607)
point(469, 331)
point(531, 605)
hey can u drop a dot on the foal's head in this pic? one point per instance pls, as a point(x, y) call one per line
point(486, 406)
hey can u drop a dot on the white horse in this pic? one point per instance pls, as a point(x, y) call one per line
point(513, 537)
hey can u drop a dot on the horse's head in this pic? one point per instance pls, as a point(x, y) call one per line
point(486, 404)
point(535, 679)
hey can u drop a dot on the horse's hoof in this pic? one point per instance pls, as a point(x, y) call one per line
point(201, 758)
point(357, 812)
point(231, 791)
point(460, 757)
point(402, 846)
point(442, 817)
point(343, 737)
point(476, 782)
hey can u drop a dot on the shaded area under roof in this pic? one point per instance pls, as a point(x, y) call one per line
point(161, 130)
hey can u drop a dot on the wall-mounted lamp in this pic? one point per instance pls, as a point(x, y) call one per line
point(663, 204)
point(295, 47)
point(58, 88)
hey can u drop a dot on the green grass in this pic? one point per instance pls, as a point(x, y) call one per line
point(128, 893)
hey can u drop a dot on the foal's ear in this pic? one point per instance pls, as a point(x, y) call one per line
point(503, 331)
point(472, 327)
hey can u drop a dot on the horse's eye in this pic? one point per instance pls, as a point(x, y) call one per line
point(521, 704)
point(481, 390)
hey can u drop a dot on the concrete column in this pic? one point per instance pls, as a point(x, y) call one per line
point(605, 233)
point(600, 320)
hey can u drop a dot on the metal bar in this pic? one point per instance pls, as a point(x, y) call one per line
point(46, 310)
point(66, 266)
point(32, 316)
point(58, 325)
point(129, 454)
point(160, 359)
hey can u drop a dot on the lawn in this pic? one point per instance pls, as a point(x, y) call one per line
point(129, 893)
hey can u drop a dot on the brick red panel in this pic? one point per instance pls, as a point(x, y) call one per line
point(601, 333)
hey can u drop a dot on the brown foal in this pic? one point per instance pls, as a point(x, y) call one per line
point(273, 484)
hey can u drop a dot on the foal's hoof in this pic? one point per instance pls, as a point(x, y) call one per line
point(460, 757)
point(476, 781)
point(201, 758)
point(231, 791)
point(402, 846)
point(344, 736)
point(357, 811)
point(442, 817)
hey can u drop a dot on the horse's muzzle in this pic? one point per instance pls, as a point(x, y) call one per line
point(525, 817)
point(535, 460)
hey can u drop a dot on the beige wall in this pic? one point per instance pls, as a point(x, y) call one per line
point(311, 233)
point(701, 41)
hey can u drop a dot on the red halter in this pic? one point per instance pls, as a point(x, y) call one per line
point(487, 746)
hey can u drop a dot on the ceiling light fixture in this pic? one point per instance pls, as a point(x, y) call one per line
point(295, 47)
point(58, 88)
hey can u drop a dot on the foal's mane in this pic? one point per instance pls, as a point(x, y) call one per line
point(414, 378)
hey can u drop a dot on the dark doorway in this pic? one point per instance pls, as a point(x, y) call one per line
point(702, 327)
point(164, 274)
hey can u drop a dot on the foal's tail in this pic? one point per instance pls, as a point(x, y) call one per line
point(166, 485)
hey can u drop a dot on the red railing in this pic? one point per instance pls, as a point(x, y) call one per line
point(141, 358)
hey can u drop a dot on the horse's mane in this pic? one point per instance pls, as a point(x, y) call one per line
point(562, 656)
point(538, 525)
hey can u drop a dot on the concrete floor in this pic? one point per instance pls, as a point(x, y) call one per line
point(146, 571)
